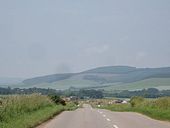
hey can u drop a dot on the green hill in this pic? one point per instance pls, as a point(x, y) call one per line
point(110, 77)
point(112, 70)
point(159, 83)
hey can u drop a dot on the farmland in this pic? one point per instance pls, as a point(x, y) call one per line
point(159, 83)
point(108, 78)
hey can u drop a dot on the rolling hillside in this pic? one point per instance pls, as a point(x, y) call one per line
point(159, 83)
point(111, 77)
point(5, 81)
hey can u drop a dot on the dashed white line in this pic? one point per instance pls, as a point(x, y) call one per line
point(101, 112)
point(115, 126)
point(108, 119)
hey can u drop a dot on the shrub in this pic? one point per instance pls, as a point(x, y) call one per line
point(57, 100)
point(136, 100)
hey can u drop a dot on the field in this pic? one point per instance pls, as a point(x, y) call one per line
point(108, 78)
point(66, 84)
point(159, 83)
point(154, 108)
point(62, 84)
point(27, 111)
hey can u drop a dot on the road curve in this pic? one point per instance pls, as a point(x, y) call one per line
point(87, 117)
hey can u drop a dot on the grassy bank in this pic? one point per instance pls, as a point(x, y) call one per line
point(27, 111)
point(155, 108)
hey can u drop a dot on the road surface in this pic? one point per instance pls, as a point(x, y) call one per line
point(87, 117)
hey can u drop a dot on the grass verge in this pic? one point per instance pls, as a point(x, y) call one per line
point(29, 120)
point(28, 112)
point(154, 108)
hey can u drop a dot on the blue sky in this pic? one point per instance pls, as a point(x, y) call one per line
point(39, 37)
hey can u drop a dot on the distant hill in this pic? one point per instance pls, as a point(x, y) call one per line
point(103, 77)
point(47, 79)
point(112, 70)
point(10, 80)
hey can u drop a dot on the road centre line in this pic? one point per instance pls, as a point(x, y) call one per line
point(101, 112)
point(108, 119)
point(115, 126)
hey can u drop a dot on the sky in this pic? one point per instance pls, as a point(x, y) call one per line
point(40, 37)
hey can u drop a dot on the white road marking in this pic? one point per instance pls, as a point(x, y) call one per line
point(115, 126)
point(108, 119)
point(101, 112)
point(104, 115)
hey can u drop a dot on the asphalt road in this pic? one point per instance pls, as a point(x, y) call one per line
point(87, 117)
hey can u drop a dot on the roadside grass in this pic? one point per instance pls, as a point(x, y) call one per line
point(70, 106)
point(118, 107)
point(28, 111)
point(155, 108)
point(29, 120)
point(159, 114)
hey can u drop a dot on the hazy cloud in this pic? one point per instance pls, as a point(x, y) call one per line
point(141, 56)
point(98, 49)
point(39, 37)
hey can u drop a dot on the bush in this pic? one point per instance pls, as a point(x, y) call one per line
point(57, 100)
point(136, 100)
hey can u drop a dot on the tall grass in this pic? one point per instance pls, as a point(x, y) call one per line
point(32, 119)
point(27, 111)
point(155, 108)
point(12, 106)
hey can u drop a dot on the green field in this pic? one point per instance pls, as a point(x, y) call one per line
point(109, 78)
point(159, 83)
point(80, 83)
point(63, 84)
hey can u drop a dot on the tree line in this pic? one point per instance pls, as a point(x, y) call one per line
point(147, 93)
point(81, 93)
point(88, 93)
